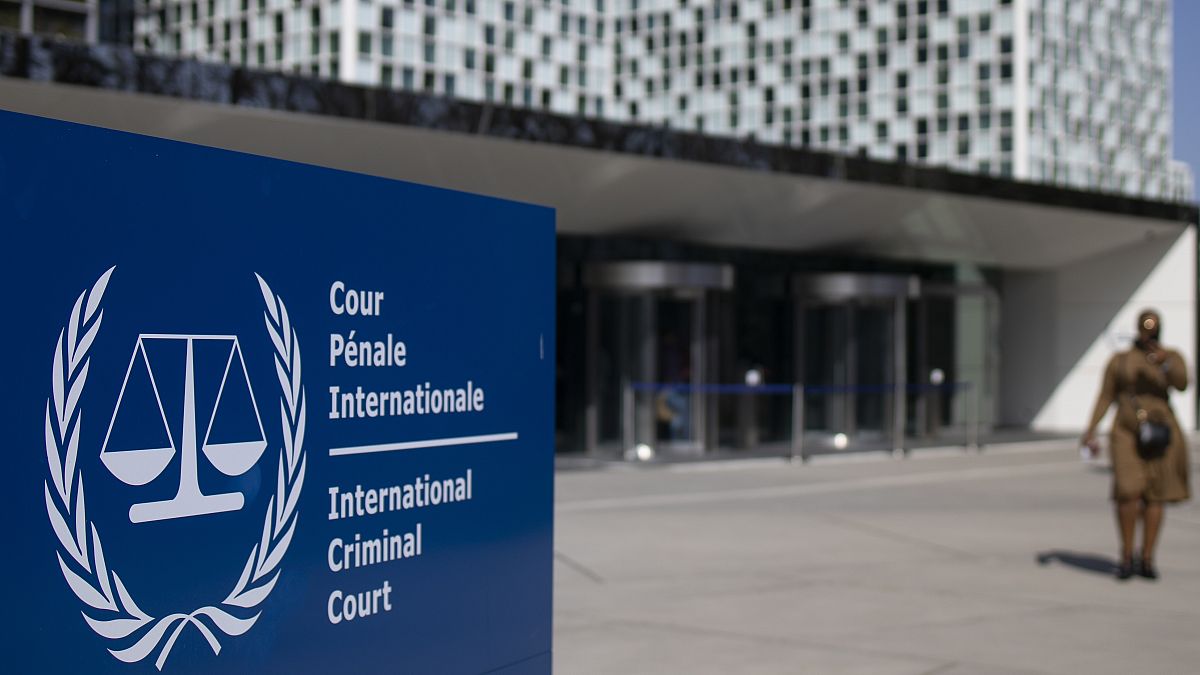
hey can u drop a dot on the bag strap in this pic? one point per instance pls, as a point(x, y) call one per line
point(1131, 372)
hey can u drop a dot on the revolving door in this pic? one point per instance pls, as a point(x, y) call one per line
point(888, 360)
point(852, 344)
point(650, 350)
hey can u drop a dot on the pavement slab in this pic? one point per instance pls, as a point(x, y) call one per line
point(994, 563)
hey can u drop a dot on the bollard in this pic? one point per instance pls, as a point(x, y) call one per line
point(797, 449)
point(628, 438)
point(973, 428)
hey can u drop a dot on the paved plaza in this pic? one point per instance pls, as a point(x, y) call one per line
point(950, 563)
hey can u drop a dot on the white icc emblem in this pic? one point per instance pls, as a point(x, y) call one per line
point(158, 358)
point(138, 466)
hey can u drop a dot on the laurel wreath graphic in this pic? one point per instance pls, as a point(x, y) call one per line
point(117, 617)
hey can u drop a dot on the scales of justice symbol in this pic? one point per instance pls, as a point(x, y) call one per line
point(143, 462)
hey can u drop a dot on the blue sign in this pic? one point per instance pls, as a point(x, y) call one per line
point(267, 417)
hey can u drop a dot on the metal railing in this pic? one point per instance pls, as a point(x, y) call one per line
point(801, 397)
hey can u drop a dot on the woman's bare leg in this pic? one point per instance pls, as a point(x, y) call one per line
point(1152, 519)
point(1127, 517)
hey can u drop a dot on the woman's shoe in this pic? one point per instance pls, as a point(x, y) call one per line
point(1147, 570)
point(1125, 570)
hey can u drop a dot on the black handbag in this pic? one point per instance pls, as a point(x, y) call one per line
point(1153, 438)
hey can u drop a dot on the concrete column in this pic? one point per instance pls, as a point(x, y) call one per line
point(92, 27)
point(900, 370)
point(591, 419)
point(27, 17)
point(646, 326)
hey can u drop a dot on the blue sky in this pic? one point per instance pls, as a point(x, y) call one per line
point(1187, 83)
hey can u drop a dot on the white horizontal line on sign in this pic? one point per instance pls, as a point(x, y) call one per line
point(427, 443)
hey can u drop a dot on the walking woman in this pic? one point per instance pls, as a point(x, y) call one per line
point(1148, 451)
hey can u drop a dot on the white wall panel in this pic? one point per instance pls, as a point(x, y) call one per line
point(1061, 326)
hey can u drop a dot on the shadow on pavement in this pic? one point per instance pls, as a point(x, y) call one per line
point(1087, 562)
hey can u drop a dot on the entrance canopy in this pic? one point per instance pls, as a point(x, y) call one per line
point(602, 178)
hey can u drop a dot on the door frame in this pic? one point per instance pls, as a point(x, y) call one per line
point(652, 280)
point(851, 289)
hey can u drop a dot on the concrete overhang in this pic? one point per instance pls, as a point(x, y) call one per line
point(602, 178)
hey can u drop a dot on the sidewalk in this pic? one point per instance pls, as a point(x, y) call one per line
point(988, 564)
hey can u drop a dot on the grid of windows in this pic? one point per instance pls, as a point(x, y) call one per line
point(1100, 98)
point(895, 80)
point(298, 37)
point(548, 54)
point(1074, 92)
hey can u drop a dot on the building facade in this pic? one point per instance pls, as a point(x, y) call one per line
point(716, 295)
point(1068, 92)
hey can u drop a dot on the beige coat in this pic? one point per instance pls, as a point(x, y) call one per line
point(1135, 383)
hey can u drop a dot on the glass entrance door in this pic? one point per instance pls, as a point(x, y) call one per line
point(875, 369)
point(677, 404)
point(847, 359)
point(648, 361)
